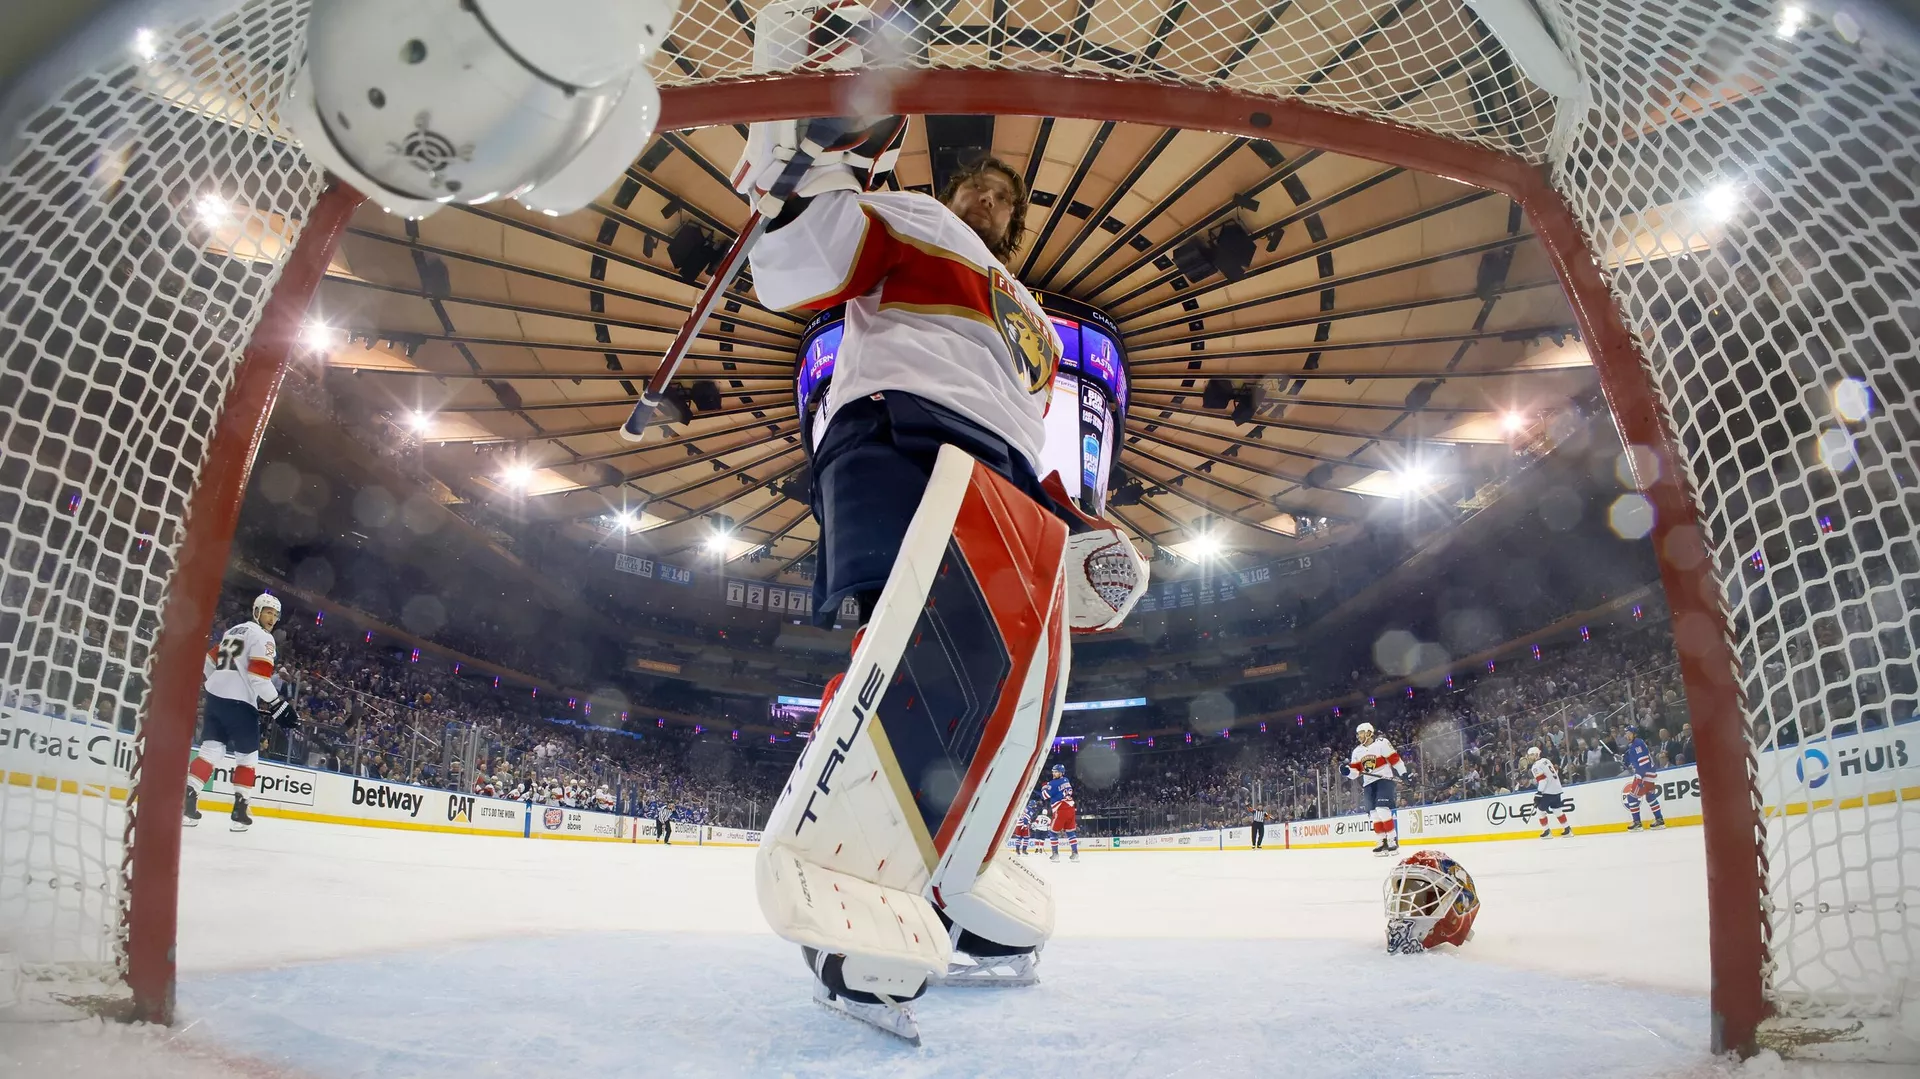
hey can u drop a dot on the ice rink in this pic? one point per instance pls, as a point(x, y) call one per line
point(311, 950)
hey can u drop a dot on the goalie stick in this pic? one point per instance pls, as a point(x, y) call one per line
point(821, 137)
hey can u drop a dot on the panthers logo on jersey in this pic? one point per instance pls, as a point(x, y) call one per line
point(1035, 356)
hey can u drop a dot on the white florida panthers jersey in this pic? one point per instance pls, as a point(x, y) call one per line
point(240, 666)
point(1546, 778)
point(1376, 760)
point(930, 311)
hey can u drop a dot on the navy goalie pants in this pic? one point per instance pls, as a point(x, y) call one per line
point(869, 471)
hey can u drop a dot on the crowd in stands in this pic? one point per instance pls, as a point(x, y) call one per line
point(382, 711)
point(373, 709)
point(1463, 738)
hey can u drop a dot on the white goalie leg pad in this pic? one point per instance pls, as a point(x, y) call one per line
point(891, 936)
point(913, 777)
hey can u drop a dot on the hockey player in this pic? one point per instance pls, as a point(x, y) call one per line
point(1378, 765)
point(1644, 778)
point(1022, 831)
point(924, 478)
point(239, 690)
point(1040, 824)
point(1546, 794)
point(1057, 792)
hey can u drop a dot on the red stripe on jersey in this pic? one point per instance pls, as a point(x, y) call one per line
point(213, 655)
point(880, 251)
point(1393, 758)
point(922, 279)
point(261, 666)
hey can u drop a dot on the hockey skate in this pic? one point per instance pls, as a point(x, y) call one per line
point(1659, 822)
point(1635, 826)
point(1393, 845)
point(990, 971)
point(1055, 857)
point(242, 820)
point(1381, 847)
point(893, 1017)
point(1074, 857)
point(191, 811)
point(1567, 831)
point(1546, 833)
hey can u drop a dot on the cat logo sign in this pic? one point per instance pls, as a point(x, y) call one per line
point(1035, 354)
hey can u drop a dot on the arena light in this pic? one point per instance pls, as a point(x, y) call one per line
point(1204, 546)
point(1513, 422)
point(420, 422)
point(1792, 18)
point(211, 209)
point(626, 520)
point(517, 476)
point(146, 44)
point(317, 335)
point(1721, 202)
point(1412, 480)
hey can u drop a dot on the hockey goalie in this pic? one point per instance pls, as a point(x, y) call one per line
point(883, 857)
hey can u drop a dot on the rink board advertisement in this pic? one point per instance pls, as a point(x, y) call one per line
point(82, 757)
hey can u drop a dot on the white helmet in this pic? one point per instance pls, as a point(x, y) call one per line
point(265, 601)
point(436, 101)
point(1533, 753)
point(1364, 732)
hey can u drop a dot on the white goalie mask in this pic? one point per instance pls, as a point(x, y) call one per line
point(431, 102)
point(1431, 900)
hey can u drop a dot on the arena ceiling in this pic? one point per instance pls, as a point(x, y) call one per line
point(1394, 333)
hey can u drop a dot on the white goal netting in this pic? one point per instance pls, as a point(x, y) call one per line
point(144, 215)
point(1746, 174)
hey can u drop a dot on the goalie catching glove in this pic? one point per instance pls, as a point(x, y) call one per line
point(1105, 574)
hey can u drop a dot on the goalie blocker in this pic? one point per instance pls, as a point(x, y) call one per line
point(909, 787)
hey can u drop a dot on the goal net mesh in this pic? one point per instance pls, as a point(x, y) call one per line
point(144, 214)
point(1745, 174)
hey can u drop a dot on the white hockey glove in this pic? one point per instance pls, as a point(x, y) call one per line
point(821, 35)
point(1105, 574)
point(844, 155)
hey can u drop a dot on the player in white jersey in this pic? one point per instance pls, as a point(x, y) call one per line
point(1546, 794)
point(925, 459)
point(239, 673)
point(1379, 767)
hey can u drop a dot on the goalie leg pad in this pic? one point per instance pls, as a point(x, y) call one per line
point(917, 768)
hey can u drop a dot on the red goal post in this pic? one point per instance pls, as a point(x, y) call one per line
point(1727, 197)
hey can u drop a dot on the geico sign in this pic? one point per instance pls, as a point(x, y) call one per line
point(1519, 809)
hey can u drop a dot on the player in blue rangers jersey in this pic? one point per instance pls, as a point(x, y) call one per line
point(1058, 794)
point(1644, 778)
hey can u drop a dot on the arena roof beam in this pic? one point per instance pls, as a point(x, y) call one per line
point(1299, 213)
point(546, 312)
point(609, 253)
point(1111, 202)
point(375, 333)
point(1058, 210)
point(1521, 334)
point(588, 284)
point(1124, 237)
point(1325, 283)
point(1336, 315)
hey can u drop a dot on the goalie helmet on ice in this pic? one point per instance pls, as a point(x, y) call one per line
point(1431, 901)
point(431, 102)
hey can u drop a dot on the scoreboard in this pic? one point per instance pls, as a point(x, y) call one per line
point(1089, 393)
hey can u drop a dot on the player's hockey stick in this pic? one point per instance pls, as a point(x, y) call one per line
point(821, 137)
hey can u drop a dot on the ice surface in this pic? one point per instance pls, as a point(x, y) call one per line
point(323, 951)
